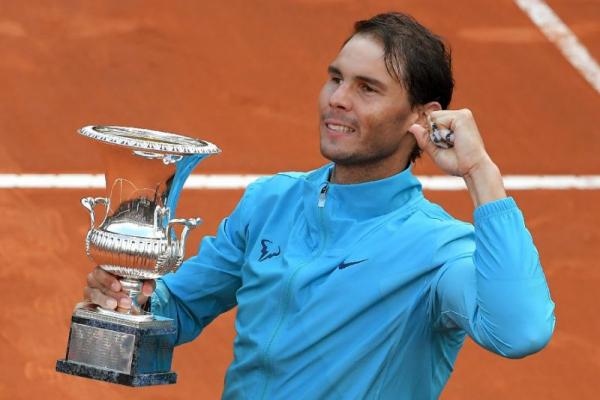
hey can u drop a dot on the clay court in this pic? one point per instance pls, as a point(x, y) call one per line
point(245, 75)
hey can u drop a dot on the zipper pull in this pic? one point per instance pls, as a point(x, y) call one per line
point(323, 196)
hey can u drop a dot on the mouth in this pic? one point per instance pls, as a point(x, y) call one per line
point(338, 127)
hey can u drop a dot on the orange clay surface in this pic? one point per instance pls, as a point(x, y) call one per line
point(246, 75)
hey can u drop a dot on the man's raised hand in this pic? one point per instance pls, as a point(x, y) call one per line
point(467, 158)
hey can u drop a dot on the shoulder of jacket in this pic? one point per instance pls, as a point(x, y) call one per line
point(277, 183)
point(436, 215)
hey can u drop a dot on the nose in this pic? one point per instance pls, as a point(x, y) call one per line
point(340, 97)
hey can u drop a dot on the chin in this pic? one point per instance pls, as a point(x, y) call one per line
point(330, 152)
point(339, 157)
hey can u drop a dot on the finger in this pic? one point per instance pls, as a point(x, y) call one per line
point(121, 297)
point(125, 302)
point(105, 279)
point(420, 134)
point(423, 140)
point(443, 116)
point(97, 297)
point(148, 287)
point(452, 119)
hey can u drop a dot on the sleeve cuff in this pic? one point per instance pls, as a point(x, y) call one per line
point(160, 300)
point(494, 208)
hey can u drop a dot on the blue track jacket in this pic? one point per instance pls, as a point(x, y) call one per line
point(361, 291)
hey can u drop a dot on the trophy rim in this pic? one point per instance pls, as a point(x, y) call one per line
point(148, 139)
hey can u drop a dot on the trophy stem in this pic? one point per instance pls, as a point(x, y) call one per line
point(133, 287)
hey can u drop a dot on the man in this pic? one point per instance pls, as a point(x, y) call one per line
point(349, 283)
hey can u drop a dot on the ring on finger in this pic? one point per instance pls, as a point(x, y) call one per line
point(441, 137)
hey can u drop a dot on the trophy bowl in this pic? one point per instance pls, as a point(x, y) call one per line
point(136, 238)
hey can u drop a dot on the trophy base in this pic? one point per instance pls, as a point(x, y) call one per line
point(118, 350)
point(106, 375)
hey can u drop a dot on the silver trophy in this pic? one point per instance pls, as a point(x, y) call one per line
point(135, 239)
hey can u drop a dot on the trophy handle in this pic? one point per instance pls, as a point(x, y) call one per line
point(90, 203)
point(159, 215)
point(188, 224)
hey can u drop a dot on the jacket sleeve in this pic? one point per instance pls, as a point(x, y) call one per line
point(205, 285)
point(497, 293)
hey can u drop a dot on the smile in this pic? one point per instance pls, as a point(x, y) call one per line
point(339, 128)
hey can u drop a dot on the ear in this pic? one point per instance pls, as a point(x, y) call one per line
point(425, 110)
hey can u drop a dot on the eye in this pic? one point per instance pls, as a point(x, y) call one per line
point(336, 79)
point(366, 88)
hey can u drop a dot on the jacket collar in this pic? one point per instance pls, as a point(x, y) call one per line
point(364, 200)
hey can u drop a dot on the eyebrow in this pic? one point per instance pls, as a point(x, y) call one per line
point(372, 81)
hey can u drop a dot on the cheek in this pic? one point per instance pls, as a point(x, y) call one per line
point(373, 122)
point(384, 128)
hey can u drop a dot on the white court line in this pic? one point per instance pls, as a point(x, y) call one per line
point(557, 32)
point(225, 182)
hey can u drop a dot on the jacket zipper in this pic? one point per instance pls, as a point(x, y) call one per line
point(287, 297)
point(323, 196)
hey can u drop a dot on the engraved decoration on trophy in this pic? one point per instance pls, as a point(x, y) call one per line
point(135, 238)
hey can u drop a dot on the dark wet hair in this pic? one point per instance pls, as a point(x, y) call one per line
point(413, 56)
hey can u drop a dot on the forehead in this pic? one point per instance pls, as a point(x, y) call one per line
point(363, 56)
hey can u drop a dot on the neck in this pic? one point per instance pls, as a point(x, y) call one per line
point(344, 174)
point(375, 169)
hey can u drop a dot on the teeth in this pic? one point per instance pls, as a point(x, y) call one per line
point(340, 128)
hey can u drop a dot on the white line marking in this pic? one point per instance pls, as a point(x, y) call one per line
point(51, 181)
point(557, 32)
point(220, 181)
point(228, 182)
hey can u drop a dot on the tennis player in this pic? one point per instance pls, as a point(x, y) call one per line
point(348, 282)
